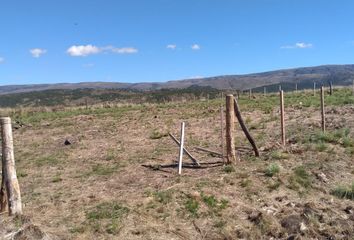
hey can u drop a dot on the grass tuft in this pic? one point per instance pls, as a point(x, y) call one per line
point(272, 170)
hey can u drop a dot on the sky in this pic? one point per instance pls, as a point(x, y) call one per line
point(44, 41)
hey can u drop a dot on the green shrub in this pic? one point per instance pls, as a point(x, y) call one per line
point(300, 178)
point(192, 206)
point(229, 169)
point(156, 134)
point(278, 155)
point(344, 192)
point(272, 170)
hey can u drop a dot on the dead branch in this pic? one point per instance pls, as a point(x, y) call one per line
point(195, 161)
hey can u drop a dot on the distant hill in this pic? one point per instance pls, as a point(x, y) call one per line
point(304, 77)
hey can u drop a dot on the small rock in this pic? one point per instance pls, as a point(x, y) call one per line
point(303, 227)
point(349, 210)
point(321, 176)
point(255, 217)
point(67, 142)
point(291, 223)
point(195, 195)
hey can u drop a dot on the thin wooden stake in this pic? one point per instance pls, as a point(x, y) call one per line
point(323, 121)
point(222, 132)
point(314, 88)
point(230, 126)
point(282, 121)
point(181, 149)
point(8, 161)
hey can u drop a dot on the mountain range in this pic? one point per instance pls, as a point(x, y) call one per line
point(303, 77)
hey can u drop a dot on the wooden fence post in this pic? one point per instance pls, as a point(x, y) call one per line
point(222, 127)
point(244, 128)
point(282, 121)
point(250, 93)
point(323, 121)
point(230, 126)
point(181, 149)
point(264, 91)
point(295, 87)
point(8, 161)
point(314, 88)
point(330, 88)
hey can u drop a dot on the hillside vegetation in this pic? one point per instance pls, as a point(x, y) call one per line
point(342, 75)
point(97, 188)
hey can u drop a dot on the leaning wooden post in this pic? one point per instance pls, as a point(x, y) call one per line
point(244, 128)
point(8, 161)
point(230, 126)
point(323, 121)
point(282, 121)
point(181, 149)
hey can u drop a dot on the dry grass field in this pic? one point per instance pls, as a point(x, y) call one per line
point(97, 188)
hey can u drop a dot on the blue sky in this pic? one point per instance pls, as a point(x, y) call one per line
point(45, 41)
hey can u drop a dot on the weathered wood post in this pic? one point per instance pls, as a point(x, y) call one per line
point(264, 91)
point(314, 88)
point(230, 126)
point(323, 121)
point(330, 88)
point(282, 121)
point(279, 87)
point(181, 149)
point(222, 127)
point(250, 93)
point(244, 128)
point(295, 87)
point(3, 198)
point(8, 161)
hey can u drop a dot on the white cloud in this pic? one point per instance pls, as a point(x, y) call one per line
point(83, 50)
point(298, 45)
point(2, 60)
point(195, 47)
point(125, 50)
point(171, 46)
point(37, 52)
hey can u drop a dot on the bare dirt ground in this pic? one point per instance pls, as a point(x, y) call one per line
point(97, 188)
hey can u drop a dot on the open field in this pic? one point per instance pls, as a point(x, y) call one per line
point(97, 188)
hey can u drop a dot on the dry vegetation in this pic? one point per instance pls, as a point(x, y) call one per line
point(96, 188)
